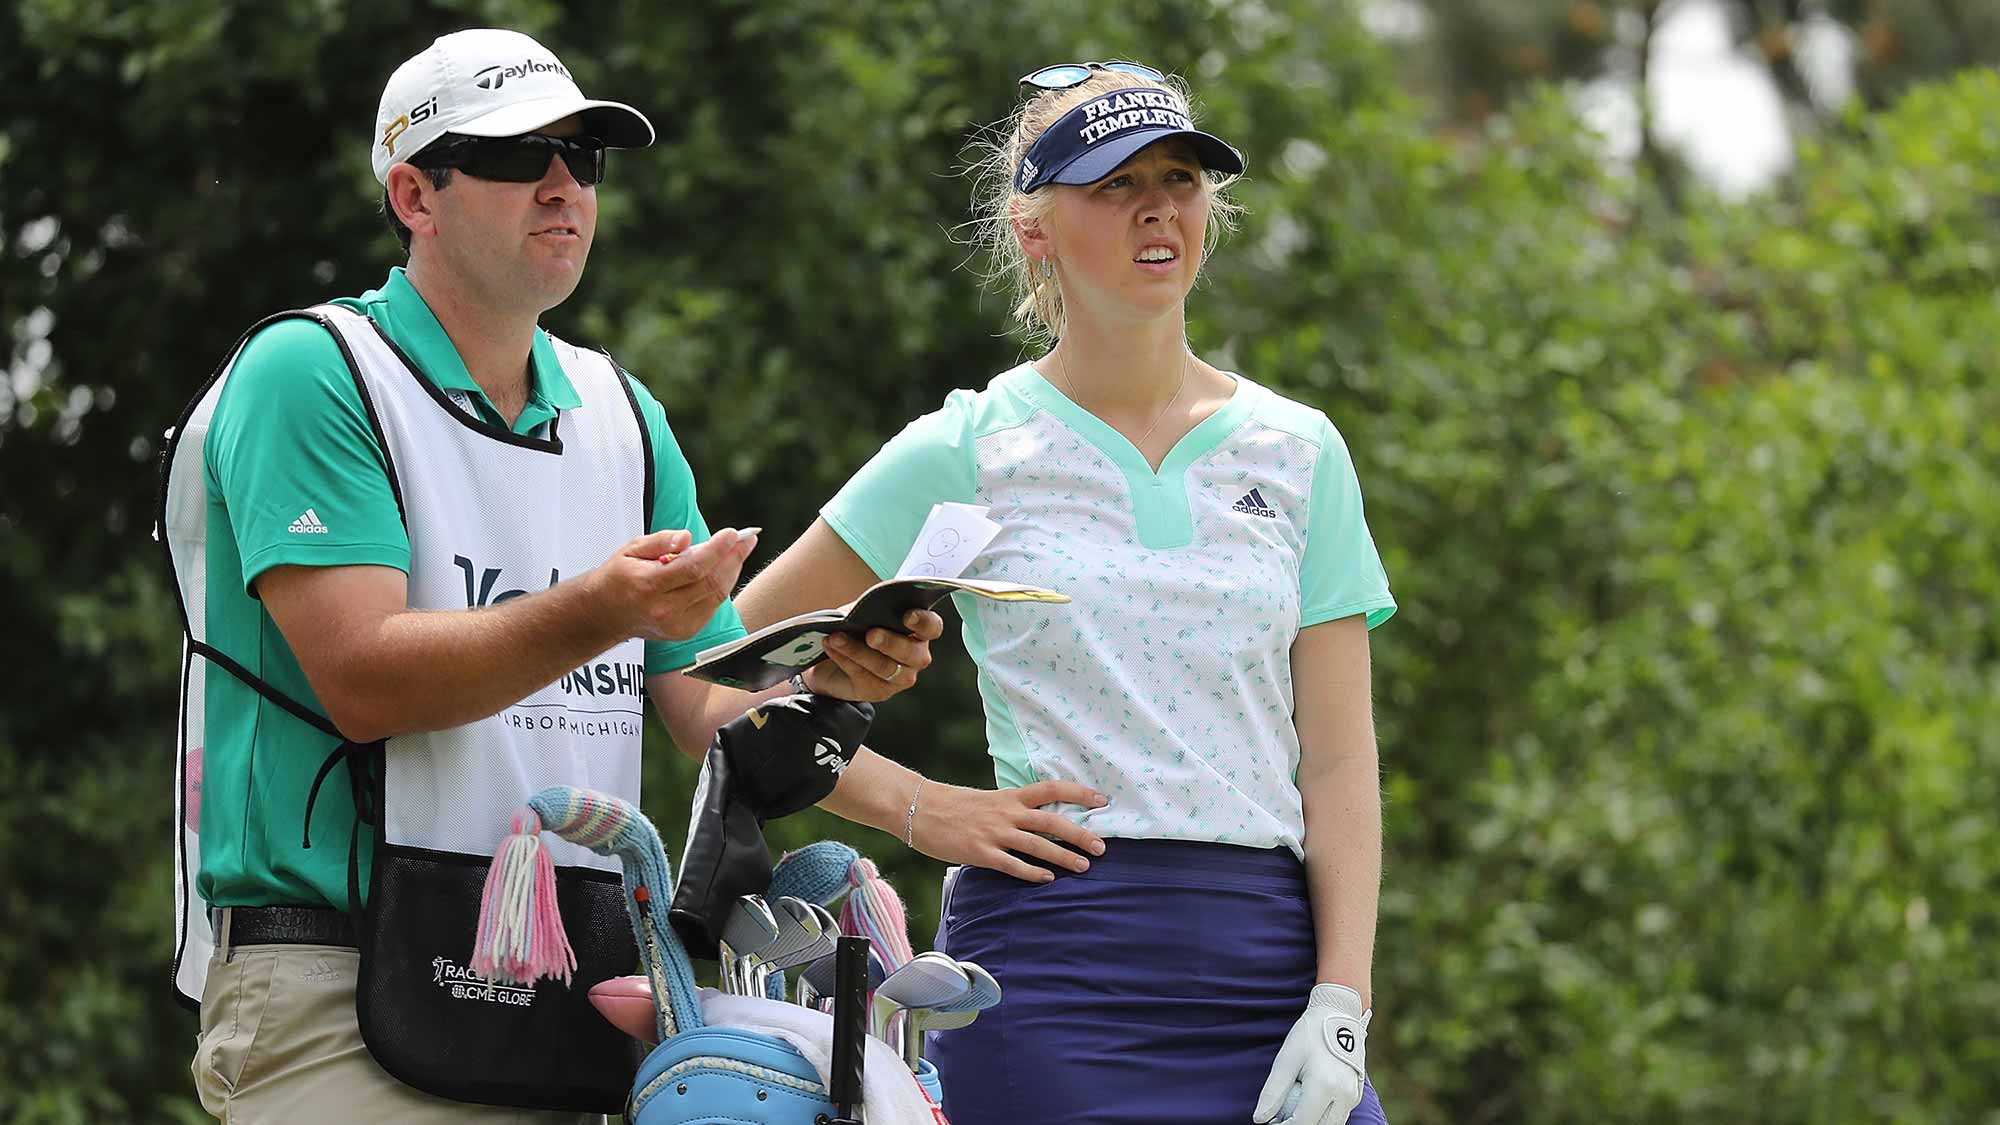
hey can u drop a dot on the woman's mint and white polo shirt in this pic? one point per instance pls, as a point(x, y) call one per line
point(1166, 684)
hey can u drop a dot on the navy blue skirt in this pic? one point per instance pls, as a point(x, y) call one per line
point(1154, 988)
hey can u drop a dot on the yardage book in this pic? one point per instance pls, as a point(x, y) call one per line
point(774, 652)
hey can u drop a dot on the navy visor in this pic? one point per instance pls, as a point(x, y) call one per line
point(1088, 142)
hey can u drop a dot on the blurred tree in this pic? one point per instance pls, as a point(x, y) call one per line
point(1684, 531)
point(1688, 719)
point(1475, 56)
point(1482, 52)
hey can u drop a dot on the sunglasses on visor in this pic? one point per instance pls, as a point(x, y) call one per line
point(517, 160)
point(1063, 76)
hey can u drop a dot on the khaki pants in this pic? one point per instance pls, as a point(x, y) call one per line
point(280, 1043)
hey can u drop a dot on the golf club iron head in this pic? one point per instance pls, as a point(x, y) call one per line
point(927, 980)
point(799, 932)
point(810, 918)
point(984, 994)
point(750, 930)
point(817, 980)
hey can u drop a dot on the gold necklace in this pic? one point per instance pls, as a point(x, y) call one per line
point(1062, 368)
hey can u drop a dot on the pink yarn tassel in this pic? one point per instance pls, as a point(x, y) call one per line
point(875, 912)
point(521, 938)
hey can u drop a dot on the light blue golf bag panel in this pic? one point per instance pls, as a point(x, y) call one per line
point(722, 1074)
point(728, 1075)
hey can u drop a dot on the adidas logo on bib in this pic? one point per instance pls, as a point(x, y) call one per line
point(1253, 504)
point(307, 524)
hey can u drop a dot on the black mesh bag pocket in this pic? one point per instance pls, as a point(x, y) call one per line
point(433, 1025)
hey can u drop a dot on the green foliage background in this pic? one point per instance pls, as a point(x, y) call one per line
point(1691, 716)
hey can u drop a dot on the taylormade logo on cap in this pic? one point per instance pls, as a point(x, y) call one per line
point(494, 77)
point(489, 82)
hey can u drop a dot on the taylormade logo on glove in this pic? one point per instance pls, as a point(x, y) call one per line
point(1325, 1059)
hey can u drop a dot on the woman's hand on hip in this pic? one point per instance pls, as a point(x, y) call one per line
point(987, 827)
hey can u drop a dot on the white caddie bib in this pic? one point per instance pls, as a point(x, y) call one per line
point(493, 515)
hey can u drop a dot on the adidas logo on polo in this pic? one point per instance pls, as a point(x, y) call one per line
point(307, 524)
point(1253, 504)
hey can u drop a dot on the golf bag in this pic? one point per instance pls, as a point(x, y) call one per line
point(699, 1074)
point(726, 1074)
point(730, 1075)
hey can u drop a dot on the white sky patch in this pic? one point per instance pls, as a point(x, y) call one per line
point(1607, 106)
point(1716, 105)
point(23, 374)
point(1394, 20)
point(1713, 104)
point(1826, 49)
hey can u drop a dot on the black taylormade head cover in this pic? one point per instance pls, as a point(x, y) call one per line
point(725, 859)
point(777, 758)
point(786, 754)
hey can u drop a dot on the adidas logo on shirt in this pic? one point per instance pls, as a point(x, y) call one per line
point(1253, 504)
point(307, 524)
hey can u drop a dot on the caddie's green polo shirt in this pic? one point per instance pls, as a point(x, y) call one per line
point(290, 441)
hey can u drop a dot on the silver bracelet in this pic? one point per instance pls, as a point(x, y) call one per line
point(910, 818)
point(799, 684)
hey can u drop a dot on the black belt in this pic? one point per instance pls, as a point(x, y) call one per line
point(291, 925)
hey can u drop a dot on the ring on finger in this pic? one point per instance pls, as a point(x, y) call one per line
point(894, 674)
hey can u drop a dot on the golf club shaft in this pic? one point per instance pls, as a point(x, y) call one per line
point(850, 1026)
point(725, 967)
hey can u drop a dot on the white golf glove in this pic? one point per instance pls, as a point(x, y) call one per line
point(1324, 1060)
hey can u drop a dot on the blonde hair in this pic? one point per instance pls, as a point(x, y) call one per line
point(996, 205)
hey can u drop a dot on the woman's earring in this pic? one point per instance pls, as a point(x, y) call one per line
point(1048, 267)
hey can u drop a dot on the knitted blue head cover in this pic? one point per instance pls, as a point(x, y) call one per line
point(609, 826)
point(815, 873)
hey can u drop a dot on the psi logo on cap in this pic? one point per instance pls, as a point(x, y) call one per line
point(421, 112)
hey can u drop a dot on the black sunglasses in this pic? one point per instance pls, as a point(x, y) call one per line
point(1063, 76)
point(516, 160)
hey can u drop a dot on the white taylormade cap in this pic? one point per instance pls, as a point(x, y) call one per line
point(488, 82)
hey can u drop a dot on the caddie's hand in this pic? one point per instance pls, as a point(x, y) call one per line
point(985, 827)
point(659, 588)
point(886, 665)
point(1325, 1057)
